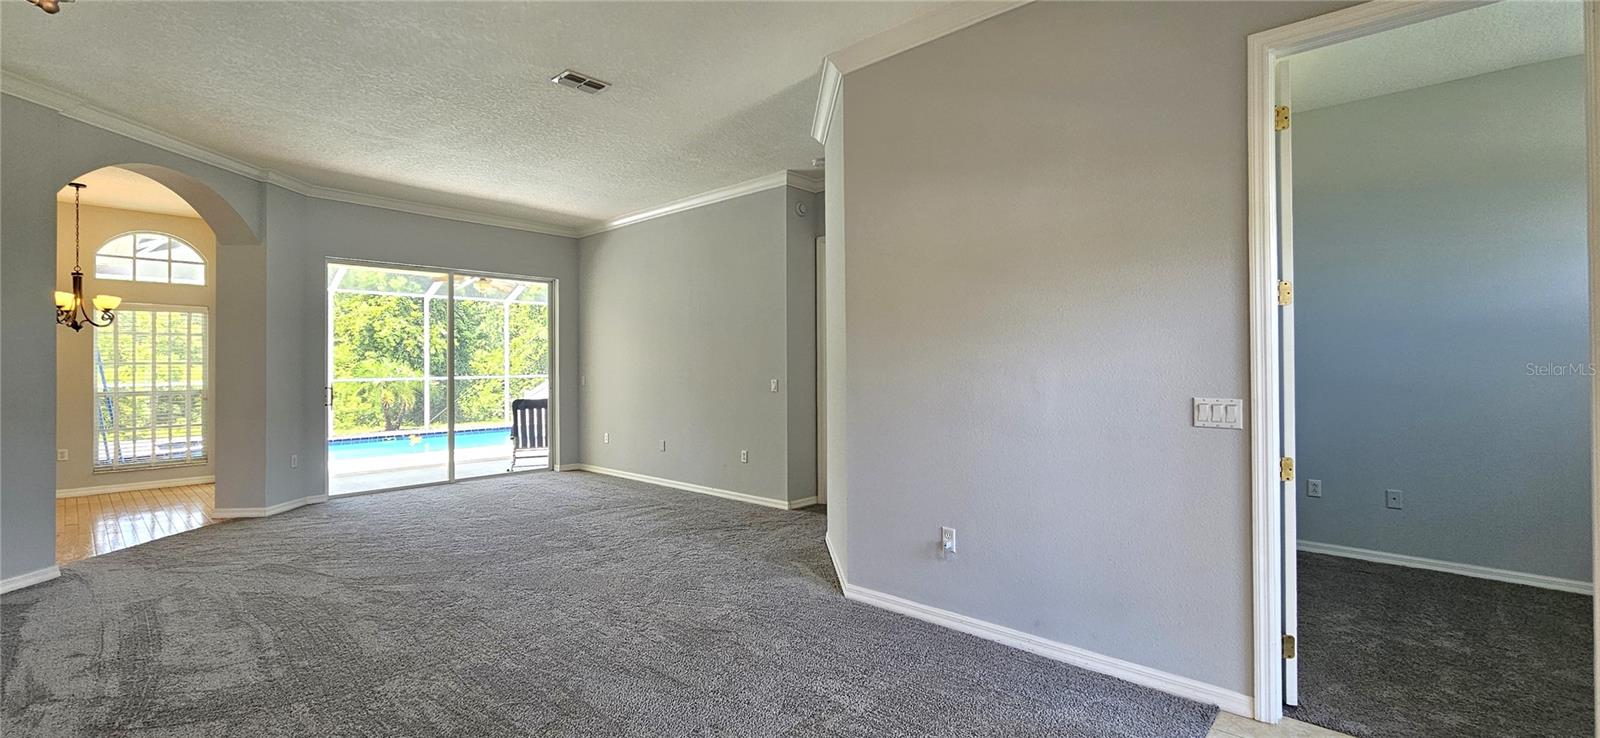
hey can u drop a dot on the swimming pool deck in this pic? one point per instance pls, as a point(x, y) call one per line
point(408, 469)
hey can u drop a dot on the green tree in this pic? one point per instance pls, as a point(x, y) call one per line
point(396, 401)
point(381, 336)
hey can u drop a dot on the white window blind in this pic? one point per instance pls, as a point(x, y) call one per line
point(150, 383)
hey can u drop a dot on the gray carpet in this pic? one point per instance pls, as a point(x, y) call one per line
point(1394, 651)
point(538, 605)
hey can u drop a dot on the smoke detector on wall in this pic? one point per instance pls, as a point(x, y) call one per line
point(578, 81)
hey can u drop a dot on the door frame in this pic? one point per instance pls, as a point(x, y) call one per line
point(1267, 541)
point(553, 417)
point(821, 312)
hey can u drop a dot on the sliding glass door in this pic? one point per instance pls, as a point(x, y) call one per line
point(434, 376)
point(502, 355)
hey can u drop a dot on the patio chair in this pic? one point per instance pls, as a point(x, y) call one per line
point(528, 434)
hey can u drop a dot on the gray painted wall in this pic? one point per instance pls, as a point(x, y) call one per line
point(269, 330)
point(42, 151)
point(1439, 246)
point(685, 321)
point(1047, 238)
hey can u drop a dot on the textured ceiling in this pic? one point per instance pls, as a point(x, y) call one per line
point(1460, 45)
point(449, 103)
point(114, 187)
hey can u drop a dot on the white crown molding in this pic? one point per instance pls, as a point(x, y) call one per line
point(909, 35)
point(71, 107)
point(784, 178)
point(1144, 676)
point(1448, 567)
point(76, 109)
point(418, 208)
point(802, 182)
point(827, 95)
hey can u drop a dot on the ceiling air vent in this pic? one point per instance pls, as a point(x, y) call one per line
point(578, 81)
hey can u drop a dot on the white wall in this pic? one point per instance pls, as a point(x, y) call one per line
point(833, 355)
point(685, 321)
point(1439, 252)
point(1045, 221)
point(75, 410)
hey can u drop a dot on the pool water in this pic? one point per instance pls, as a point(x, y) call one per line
point(419, 443)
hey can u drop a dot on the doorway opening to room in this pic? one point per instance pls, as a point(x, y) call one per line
point(1423, 388)
point(435, 375)
point(133, 396)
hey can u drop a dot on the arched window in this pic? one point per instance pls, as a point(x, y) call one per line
point(150, 257)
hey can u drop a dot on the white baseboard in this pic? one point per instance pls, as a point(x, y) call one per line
point(569, 467)
point(690, 487)
point(31, 578)
point(262, 512)
point(106, 489)
point(1231, 701)
point(1448, 567)
point(802, 502)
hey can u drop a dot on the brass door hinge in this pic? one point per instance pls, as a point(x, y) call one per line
point(1288, 646)
point(1286, 469)
point(1285, 293)
point(1280, 117)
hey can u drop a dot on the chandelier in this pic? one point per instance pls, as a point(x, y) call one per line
point(71, 310)
point(49, 6)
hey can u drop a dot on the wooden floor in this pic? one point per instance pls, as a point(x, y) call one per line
point(96, 524)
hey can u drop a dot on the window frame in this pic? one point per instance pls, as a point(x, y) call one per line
point(134, 258)
point(198, 428)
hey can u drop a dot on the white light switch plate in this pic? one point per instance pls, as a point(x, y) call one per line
point(1214, 412)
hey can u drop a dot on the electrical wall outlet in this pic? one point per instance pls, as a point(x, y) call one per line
point(61, 454)
point(605, 437)
point(1313, 487)
point(294, 461)
point(663, 445)
point(947, 541)
point(744, 457)
point(774, 385)
point(1394, 499)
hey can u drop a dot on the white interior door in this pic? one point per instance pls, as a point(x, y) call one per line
point(1291, 609)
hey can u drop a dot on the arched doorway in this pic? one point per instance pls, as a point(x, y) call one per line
point(134, 411)
point(228, 205)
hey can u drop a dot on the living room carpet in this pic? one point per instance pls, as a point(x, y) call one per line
point(1394, 651)
point(547, 604)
